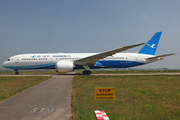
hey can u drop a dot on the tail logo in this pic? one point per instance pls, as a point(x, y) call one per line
point(152, 46)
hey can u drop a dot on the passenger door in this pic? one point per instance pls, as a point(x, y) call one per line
point(17, 60)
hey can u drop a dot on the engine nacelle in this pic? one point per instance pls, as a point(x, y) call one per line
point(64, 66)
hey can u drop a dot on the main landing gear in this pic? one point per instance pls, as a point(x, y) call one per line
point(86, 72)
point(17, 73)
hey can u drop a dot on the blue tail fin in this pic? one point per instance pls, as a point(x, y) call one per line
point(151, 45)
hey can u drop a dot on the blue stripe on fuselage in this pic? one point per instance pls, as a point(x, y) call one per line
point(100, 64)
point(42, 66)
point(117, 63)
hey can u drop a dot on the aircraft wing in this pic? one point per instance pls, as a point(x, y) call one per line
point(91, 60)
point(160, 56)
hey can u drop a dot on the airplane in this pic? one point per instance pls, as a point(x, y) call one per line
point(65, 62)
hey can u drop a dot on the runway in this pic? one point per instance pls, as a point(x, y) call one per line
point(49, 100)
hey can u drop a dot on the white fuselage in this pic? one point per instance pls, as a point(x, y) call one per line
point(48, 60)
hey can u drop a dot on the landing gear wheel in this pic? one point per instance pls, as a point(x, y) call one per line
point(87, 72)
point(16, 73)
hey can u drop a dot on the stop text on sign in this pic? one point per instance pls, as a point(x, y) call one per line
point(105, 93)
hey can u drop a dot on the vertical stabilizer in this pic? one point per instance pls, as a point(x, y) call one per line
point(150, 47)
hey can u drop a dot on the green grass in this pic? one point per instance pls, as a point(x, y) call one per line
point(130, 71)
point(26, 72)
point(137, 97)
point(12, 85)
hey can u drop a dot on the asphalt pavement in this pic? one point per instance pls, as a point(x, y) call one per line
point(49, 100)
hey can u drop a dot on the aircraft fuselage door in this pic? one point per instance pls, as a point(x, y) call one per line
point(52, 60)
point(17, 60)
point(129, 58)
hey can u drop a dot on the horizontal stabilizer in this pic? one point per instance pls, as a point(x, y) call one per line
point(160, 56)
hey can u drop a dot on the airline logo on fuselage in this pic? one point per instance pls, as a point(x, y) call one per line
point(33, 56)
point(152, 46)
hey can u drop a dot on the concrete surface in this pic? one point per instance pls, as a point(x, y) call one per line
point(49, 100)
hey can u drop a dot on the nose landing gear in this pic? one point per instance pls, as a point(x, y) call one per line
point(16, 71)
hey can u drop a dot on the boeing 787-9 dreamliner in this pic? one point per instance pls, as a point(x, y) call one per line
point(64, 62)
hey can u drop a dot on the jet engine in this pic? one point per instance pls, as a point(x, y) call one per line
point(64, 66)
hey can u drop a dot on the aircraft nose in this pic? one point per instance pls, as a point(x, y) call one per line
point(5, 64)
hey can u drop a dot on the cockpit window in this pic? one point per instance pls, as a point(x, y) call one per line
point(8, 59)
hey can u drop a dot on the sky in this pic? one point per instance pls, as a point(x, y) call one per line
point(82, 26)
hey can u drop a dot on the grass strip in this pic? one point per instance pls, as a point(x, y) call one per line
point(26, 72)
point(137, 97)
point(130, 71)
point(12, 85)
